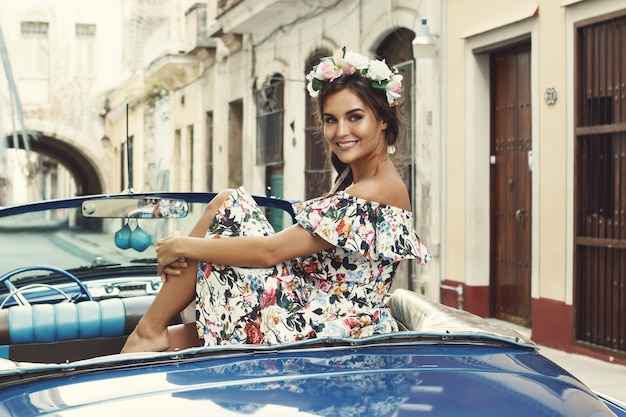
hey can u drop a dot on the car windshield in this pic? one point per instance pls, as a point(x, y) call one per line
point(64, 239)
point(108, 243)
point(59, 238)
point(53, 237)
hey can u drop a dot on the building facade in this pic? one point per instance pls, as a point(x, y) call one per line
point(63, 56)
point(221, 101)
point(535, 179)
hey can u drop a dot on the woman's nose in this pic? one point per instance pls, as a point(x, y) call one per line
point(342, 128)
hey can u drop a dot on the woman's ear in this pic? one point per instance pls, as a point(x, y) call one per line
point(383, 125)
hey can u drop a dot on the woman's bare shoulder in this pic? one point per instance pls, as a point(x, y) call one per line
point(391, 192)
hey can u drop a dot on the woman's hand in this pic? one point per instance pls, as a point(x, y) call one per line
point(175, 268)
point(169, 262)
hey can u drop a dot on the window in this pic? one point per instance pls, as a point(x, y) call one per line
point(600, 181)
point(85, 31)
point(131, 156)
point(269, 100)
point(190, 157)
point(396, 50)
point(33, 63)
point(177, 163)
point(85, 50)
point(35, 29)
point(235, 143)
point(317, 171)
point(600, 126)
point(126, 163)
point(209, 150)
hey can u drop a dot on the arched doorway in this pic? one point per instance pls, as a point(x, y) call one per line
point(317, 171)
point(50, 152)
point(397, 51)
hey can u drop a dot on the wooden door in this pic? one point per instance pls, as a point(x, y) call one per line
point(511, 185)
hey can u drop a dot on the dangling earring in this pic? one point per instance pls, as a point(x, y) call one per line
point(391, 149)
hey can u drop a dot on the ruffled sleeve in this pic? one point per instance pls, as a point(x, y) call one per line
point(372, 229)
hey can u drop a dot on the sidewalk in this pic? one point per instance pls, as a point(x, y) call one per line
point(603, 377)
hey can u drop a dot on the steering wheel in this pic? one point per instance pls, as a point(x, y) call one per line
point(16, 293)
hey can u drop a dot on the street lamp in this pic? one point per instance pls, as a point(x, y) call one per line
point(423, 44)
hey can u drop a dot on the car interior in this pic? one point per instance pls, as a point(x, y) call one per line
point(66, 332)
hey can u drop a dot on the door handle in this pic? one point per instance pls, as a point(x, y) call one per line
point(520, 216)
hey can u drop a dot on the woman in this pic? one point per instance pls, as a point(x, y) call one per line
point(325, 276)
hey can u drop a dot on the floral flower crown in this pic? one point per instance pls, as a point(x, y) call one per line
point(332, 67)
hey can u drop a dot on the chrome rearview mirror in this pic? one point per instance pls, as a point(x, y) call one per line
point(135, 207)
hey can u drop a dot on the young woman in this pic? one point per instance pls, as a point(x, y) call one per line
point(325, 276)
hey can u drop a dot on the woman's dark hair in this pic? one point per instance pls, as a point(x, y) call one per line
point(374, 98)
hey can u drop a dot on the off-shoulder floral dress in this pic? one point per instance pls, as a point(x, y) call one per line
point(334, 293)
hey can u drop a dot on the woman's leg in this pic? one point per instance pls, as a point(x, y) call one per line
point(176, 293)
point(183, 336)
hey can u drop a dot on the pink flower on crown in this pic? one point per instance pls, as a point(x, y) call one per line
point(340, 62)
point(357, 61)
point(393, 89)
point(327, 70)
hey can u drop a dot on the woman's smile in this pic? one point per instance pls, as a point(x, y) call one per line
point(346, 145)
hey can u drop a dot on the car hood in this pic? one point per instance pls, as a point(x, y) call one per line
point(406, 379)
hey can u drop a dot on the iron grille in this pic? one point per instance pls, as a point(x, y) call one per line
point(269, 101)
point(600, 184)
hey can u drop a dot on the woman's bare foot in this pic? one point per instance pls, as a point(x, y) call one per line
point(145, 339)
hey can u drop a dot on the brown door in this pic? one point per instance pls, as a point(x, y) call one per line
point(511, 185)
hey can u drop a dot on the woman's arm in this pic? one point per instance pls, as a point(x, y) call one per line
point(248, 251)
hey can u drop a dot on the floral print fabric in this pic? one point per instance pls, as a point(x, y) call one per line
point(335, 293)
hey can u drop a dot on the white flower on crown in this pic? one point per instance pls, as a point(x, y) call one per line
point(378, 71)
point(313, 93)
point(348, 63)
point(358, 61)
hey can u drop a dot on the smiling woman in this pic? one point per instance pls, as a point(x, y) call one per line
point(326, 276)
point(379, 88)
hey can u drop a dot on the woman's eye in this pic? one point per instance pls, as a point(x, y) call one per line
point(329, 120)
point(355, 117)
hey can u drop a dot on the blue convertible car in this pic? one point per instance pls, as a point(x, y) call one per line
point(77, 274)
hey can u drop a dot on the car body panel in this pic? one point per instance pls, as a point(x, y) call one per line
point(407, 378)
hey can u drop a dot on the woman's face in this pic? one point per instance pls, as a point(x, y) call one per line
point(351, 128)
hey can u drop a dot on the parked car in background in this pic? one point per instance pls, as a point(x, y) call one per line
point(77, 274)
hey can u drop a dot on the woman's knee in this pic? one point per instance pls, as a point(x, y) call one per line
point(210, 210)
point(217, 202)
